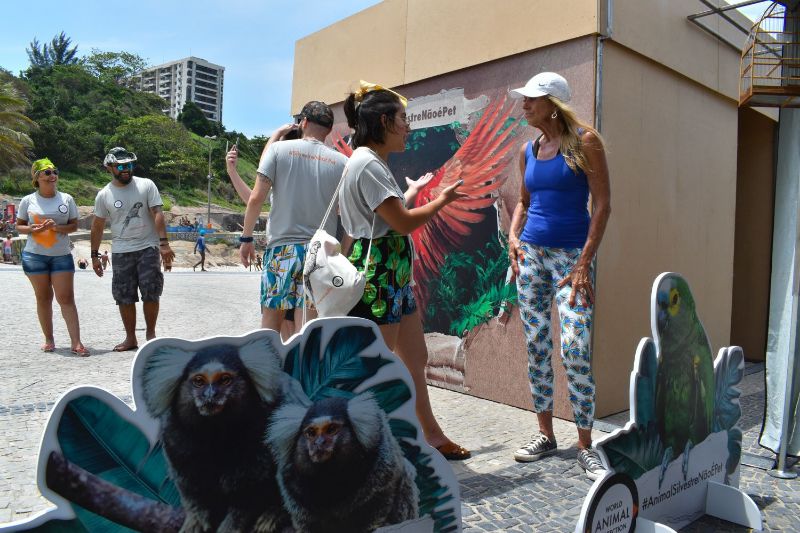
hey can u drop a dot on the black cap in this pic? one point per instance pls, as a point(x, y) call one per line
point(318, 113)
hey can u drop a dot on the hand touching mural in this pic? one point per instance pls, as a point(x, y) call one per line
point(481, 163)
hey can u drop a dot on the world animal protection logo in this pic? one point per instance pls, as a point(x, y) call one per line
point(678, 456)
point(249, 434)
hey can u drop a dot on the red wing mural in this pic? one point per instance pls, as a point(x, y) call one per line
point(481, 162)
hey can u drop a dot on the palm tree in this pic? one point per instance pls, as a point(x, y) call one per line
point(57, 52)
point(14, 127)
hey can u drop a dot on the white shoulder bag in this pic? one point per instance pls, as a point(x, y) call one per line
point(329, 278)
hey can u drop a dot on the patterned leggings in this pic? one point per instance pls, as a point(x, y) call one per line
point(540, 271)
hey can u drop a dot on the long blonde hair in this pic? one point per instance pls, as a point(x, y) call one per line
point(571, 143)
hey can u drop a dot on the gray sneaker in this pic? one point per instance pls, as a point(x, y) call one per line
point(539, 447)
point(591, 463)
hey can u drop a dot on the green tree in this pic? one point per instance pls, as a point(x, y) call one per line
point(195, 120)
point(14, 127)
point(166, 151)
point(113, 66)
point(58, 52)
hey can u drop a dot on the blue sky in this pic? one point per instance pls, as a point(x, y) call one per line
point(254, 40)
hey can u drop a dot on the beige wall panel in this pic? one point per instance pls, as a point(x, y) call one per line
point(659, 30)
point(447, 35)
point(329, 62)
point(672, 159)
point(755, 203)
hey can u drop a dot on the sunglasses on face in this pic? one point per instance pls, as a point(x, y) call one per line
point(126, 166)
point(49, 172)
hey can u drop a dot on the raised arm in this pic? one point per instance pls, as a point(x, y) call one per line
point(242, 189)
point(404, 221)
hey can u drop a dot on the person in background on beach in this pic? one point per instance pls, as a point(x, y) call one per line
point(104, 259)
point(552, 244)
point(48, 216)
point(301, 176)
point(8, 247)
point(138, 243)
point(200, 245)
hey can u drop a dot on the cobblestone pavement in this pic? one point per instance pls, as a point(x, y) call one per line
point(497, 493)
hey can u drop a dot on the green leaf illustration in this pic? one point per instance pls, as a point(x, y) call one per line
point(370, 293)
point(379, 308)
point(94, 437)
point(331, 370)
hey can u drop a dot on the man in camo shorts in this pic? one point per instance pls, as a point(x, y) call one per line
point(139, 243)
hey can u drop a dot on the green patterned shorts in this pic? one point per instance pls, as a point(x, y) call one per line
point(388, 294)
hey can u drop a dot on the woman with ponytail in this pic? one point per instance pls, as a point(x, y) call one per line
point(373, 207)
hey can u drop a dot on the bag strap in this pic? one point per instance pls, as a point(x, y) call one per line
point(333, 201)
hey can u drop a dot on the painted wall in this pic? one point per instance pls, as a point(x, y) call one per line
point(755, 202)
point(672, 159)
point(491, 360)
point(420, 39)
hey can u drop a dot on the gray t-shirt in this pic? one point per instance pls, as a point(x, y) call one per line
point(128, 208)
point(367, 183)
point(35, 209)
point(304, 174)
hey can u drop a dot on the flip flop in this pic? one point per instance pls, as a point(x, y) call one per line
point(82, 351)
point(453, 452)
point(122, 347)
point(48, 347)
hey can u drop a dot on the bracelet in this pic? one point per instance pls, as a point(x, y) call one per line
point(163, 239)
point(245, 239)
point(164, 244)
point(95, 253)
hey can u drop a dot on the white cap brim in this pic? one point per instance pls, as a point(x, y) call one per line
point(526, 91)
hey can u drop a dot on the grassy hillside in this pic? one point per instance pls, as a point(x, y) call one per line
point(83, 186)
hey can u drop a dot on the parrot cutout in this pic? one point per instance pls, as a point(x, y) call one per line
point(682, 445)
point(685, 379)
point(481, 162)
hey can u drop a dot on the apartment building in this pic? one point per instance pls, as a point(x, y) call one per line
point(186, 80)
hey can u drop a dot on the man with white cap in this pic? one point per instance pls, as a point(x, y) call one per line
point(139, 243)
point(552, 244)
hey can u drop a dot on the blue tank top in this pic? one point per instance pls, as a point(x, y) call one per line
point(558, 215)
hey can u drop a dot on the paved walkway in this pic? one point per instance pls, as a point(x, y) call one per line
point(497, 493)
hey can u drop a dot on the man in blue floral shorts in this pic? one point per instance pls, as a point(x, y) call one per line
point(301, 175)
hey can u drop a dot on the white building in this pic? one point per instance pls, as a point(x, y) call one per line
point(187, 80)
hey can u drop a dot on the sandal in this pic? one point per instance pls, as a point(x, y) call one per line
point(83, 351)
point(122, 347)
point(453, 452)
point(49, 347)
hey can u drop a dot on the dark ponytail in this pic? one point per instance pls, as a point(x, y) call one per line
point(365, 117)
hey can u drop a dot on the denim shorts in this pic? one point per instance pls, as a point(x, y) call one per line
point(33, 264)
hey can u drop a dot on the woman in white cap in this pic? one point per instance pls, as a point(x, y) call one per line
point(552, 244)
